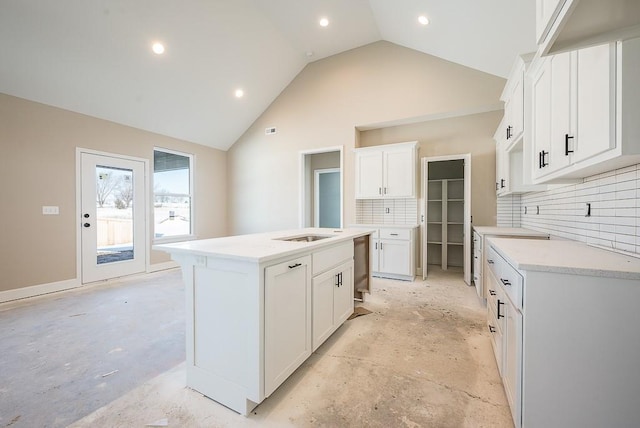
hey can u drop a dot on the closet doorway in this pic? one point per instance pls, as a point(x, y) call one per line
point(446, 223)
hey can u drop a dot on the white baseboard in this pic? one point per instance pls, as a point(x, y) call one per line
point(162, 266)
point(52, 287)
point(37, 290)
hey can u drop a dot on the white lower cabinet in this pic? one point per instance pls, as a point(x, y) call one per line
point(512, 367)
point(393, 253)
point(287, 320)
point(332, 296)
point(566, 341)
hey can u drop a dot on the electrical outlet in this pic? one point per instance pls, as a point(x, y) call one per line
point(50, 210)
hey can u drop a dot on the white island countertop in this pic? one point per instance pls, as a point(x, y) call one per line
point(568, 257)
point(261, 247)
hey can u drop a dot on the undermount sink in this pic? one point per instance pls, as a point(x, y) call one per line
point(304, 238)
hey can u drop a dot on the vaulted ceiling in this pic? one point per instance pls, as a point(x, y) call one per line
point(95, 57)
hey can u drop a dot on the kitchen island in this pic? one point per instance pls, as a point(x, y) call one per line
point(258, 305)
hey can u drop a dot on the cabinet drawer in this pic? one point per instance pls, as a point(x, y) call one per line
point(395, 233)
point(506, 276)
point(493, 262)
point(326, 259)
point(511, 282)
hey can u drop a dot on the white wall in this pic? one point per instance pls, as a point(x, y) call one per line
point(615, 210)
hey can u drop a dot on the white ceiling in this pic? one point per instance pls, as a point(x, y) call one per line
point(94, 57)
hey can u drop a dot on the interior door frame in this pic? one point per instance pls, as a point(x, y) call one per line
point(78, 210)
point(467, 211)
point(316, 192)
point(302, 179)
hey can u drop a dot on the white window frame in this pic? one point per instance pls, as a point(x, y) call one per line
point(176, 238)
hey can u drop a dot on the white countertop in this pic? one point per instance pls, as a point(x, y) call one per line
point(261, 247)
point(507, 231)
point(568, 257)
point(377, 226)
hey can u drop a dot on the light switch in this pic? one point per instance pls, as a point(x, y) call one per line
point(50, 210)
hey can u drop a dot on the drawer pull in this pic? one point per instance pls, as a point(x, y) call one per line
point(490, 261)
point(393, 234)
point(295, 266)
point(498, 307)
point(492, 292)
point(492, 329)
point(505, 282)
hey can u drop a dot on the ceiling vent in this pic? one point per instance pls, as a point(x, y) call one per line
point(269, 131)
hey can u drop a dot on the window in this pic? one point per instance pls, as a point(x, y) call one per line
point(172, 195)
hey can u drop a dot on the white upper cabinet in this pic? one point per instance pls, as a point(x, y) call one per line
point(565, 25)
point(387, 171)
point(585, 106)
point(513, 149)
point(369, 174)
point(513, 97)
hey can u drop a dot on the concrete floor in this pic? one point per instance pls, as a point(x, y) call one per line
point(422, 359)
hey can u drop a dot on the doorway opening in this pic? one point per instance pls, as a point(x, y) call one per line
point(321, 188)
point(446, 219)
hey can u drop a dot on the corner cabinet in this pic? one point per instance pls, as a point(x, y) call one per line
point(387, 171)
point(585, 106)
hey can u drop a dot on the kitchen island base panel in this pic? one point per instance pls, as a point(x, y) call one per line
point(223, 341)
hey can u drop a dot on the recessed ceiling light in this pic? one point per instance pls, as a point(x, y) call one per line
point(239, 93)
point(324, 22)
point(423, 20)
point(158, 48)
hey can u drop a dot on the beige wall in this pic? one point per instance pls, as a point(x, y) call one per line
point(466, 134)
point(323, 105)
point(38, 167)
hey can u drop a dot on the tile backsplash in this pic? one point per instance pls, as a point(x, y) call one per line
point(386, 211)
point(614, 200)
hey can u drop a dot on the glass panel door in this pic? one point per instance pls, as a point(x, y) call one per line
point(113, 217)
